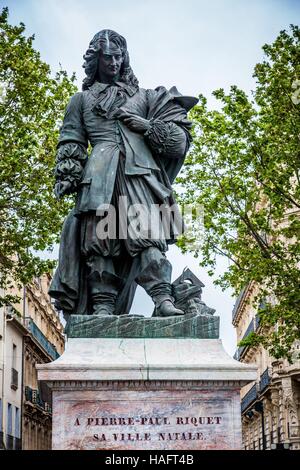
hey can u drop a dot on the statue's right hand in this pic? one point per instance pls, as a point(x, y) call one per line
point(61, 188)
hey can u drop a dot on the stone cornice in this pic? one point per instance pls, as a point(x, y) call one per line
point(128, 385)
point(113, 359)
point(240, 306)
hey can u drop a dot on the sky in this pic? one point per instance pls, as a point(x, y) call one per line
point(196, 45)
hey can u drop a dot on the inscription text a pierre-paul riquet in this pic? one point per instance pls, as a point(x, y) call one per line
point(157, 432)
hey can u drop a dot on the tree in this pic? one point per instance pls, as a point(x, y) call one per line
point(32, 103)
point(244, 170)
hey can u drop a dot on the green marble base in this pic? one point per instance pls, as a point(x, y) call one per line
point(135, 326)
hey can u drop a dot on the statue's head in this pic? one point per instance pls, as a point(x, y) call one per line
point(107, 54)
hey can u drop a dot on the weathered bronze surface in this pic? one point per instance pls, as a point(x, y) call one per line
point(139, 138)
point(134, 326)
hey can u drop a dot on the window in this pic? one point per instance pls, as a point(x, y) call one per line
point(14, 372)
point(9, 419)
point(17, 423)
point(9, 437)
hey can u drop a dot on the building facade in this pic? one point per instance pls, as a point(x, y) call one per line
point(270, 406)
point(12, 333)
point(32, 333)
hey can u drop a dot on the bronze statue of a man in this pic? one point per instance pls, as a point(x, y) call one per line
point(139, 139)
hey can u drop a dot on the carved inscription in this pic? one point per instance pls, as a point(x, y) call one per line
point(160, 419)
point(102, 425)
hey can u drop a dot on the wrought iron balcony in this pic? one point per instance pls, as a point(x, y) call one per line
point(41, 338)
point(264, 380)
point(249, 398)
point(28, 393)
point(14, 383)
point(33, 395)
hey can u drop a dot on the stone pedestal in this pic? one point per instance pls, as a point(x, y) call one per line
point(136, 326)
point(146, 393)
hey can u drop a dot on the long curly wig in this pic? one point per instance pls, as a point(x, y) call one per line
point(91, 58)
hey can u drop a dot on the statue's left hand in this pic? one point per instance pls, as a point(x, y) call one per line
point(135, 123)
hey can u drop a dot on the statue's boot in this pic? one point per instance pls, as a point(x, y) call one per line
point(103, 303)
point(167, 309)
point(104, 286)
point(155, 278)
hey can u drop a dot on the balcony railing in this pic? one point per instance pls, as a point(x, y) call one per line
point(264, 380)
point(33, 395)
point(14, 379)
point(41, 338)
point(249, 398)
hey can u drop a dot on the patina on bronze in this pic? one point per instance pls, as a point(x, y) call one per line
point(139, 139)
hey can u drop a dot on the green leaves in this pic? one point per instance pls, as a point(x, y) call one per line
point(244, 169)
point(32, 104)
